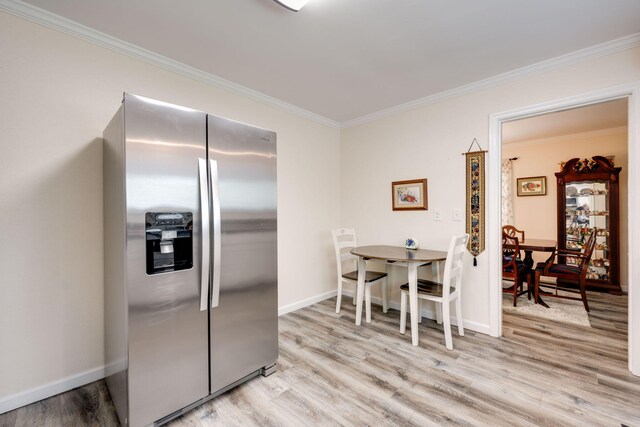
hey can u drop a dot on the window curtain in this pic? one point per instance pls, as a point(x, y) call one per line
point(507, 192)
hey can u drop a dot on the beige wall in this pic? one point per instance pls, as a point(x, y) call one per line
point(537, 215)
point(57, 95)
point(427, 142)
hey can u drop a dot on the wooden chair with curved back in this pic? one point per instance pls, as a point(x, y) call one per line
point(567, 272)
point(513, 267)
point(512, 231)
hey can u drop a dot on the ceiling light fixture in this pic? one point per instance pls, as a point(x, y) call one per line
point(294, 5)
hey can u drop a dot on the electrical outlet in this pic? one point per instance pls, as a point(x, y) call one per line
point(437, 215)
point(457, 214)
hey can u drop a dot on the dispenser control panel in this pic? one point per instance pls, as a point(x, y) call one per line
point(169, 241)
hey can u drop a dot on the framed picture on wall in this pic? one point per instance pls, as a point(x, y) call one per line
point(532, 186)
point(409, 195)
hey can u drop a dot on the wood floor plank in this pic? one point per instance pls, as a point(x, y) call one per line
point(217, 412)
point(334, 373)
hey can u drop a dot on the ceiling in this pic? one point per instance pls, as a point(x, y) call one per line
point(592, 118)
point(345, 59)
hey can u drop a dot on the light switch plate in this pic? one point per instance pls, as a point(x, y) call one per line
point(457, 214)
point(437, 215)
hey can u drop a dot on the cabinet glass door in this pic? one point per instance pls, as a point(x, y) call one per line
point(587, 207)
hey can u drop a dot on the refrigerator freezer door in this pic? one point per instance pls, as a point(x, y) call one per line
point(168, 344)
point(244, 325)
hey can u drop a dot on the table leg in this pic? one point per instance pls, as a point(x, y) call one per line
point(435, 270)
point(536, 296)
point(362, 271)
point(528, 261)
point(412, 268)
point(385, 282)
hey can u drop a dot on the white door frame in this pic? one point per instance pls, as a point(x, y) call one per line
point(494, 242)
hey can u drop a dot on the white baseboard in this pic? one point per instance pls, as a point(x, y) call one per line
point(15, 401)
point(306, 302)
point(35, 394)
point(23, 398)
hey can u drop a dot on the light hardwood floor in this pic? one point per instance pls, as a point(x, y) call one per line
point(332, 372)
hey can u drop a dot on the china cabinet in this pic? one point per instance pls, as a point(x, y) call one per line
point(588, 191)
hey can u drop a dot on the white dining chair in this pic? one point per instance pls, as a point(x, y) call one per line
point(344, 239)
point(442, 293)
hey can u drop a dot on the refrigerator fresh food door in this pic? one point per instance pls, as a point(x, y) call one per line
point(244, 313)
point(168, 336)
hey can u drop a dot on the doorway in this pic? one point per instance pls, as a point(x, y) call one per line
point(630, 93)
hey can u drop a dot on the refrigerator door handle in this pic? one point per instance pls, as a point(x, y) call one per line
point(206, 244)
point(215, 203)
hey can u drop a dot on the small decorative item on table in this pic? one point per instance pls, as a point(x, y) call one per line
point(411, 243)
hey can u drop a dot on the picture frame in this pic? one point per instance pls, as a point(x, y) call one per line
point(409, 195)
point(532, 186)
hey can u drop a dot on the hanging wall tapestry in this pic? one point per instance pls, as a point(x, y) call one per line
point(475, 200)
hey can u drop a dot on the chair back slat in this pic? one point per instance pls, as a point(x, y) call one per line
point(345, 247)
point(454, 265)
point(512, 231)
point(346, 244)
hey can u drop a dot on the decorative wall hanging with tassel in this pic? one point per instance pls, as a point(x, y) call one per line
point(475, 199)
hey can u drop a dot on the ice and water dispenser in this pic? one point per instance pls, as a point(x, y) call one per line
point(169, 238)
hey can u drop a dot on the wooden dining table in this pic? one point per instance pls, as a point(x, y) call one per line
point(413, 259)
point(538, 245)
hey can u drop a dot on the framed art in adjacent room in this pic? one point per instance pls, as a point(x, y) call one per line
point(409, 195)
point(532, 186)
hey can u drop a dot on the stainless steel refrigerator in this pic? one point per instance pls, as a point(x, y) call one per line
point(190, 257)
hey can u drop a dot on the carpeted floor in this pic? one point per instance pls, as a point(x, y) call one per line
point(560, 310)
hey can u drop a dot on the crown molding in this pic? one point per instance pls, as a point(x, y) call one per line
point(607, 48)
point(566, 137)
point(67, 26)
